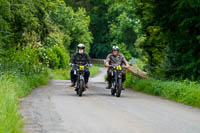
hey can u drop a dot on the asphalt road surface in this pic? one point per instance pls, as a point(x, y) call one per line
point(55, 108)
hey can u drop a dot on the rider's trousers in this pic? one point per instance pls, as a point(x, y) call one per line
point(109, 78)
point(86, 76)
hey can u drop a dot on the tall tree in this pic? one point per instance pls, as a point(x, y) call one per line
point(172, 30)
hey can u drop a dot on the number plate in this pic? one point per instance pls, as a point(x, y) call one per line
point(82, 67)
point(119, 68)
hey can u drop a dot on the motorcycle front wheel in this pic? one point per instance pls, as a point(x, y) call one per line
point(113, 89)
point(119, 88)
point(80, 90)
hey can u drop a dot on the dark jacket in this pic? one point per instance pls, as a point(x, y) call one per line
point(80, 59)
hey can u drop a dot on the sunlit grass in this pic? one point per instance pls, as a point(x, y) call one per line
point(94, 71)
point(12, 87)
point(64, 74)
point(185, 92)
point(60, 74)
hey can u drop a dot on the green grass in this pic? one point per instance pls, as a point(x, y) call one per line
point(64, 74)
point(184, 92)
point(98, 65)
point(94, 71)
point(14, 86)
point(10, 119)
point(60, 74)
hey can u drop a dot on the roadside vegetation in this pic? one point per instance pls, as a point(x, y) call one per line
point(94, 71)
point(13, 87)
point(37, 38)
point(64, 74)
point(165, 34)
point(182, 91)
point(185, 92)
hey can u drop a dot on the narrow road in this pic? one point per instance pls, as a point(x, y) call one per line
point(55, 108)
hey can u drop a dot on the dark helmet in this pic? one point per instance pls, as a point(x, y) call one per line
point(82, 46)
point(115, 48)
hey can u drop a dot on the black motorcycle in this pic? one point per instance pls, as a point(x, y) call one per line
point(116, 80)
point(80, 83)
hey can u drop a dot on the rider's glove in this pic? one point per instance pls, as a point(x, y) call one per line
point(70, 64)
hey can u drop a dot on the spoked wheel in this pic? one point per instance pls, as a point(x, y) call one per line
point(81, 87)
point(77, 91)
point(113, 89)
point(119, 88)
point(76, 88)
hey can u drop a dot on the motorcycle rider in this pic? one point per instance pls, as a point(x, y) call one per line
point(115, 59)
point(80, 58)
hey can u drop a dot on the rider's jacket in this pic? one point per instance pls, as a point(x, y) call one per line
point(80, 59)
point(116, 60)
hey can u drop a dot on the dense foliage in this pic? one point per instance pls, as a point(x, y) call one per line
point(34, 35)
point(165, 34)
point(112, 23)
point(40, 32)
point(172, 37)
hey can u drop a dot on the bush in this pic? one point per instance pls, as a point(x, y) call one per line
point(22, 61)
point(124, 51)
point(62, 55)
point(54, 57)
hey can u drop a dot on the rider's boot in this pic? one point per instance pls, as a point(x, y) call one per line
point(72, 84)
point(87, 86)
point(123, 88)
point(109, 85)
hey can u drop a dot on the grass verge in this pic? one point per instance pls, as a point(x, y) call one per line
point(64, 74)
point(184, 92)
point(14, 86)
point(94, 71)
point(60, 74)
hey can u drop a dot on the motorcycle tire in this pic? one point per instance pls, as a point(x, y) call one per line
point(81, 87)
point(119, 88)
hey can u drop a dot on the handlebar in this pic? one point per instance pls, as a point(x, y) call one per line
point(86, 65)
point(113, 66)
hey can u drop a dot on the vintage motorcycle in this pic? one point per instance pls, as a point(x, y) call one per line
point(80, 83)
point(116, 80)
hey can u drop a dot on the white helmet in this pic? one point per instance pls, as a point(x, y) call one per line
point(115, 48)
point(81, 46)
